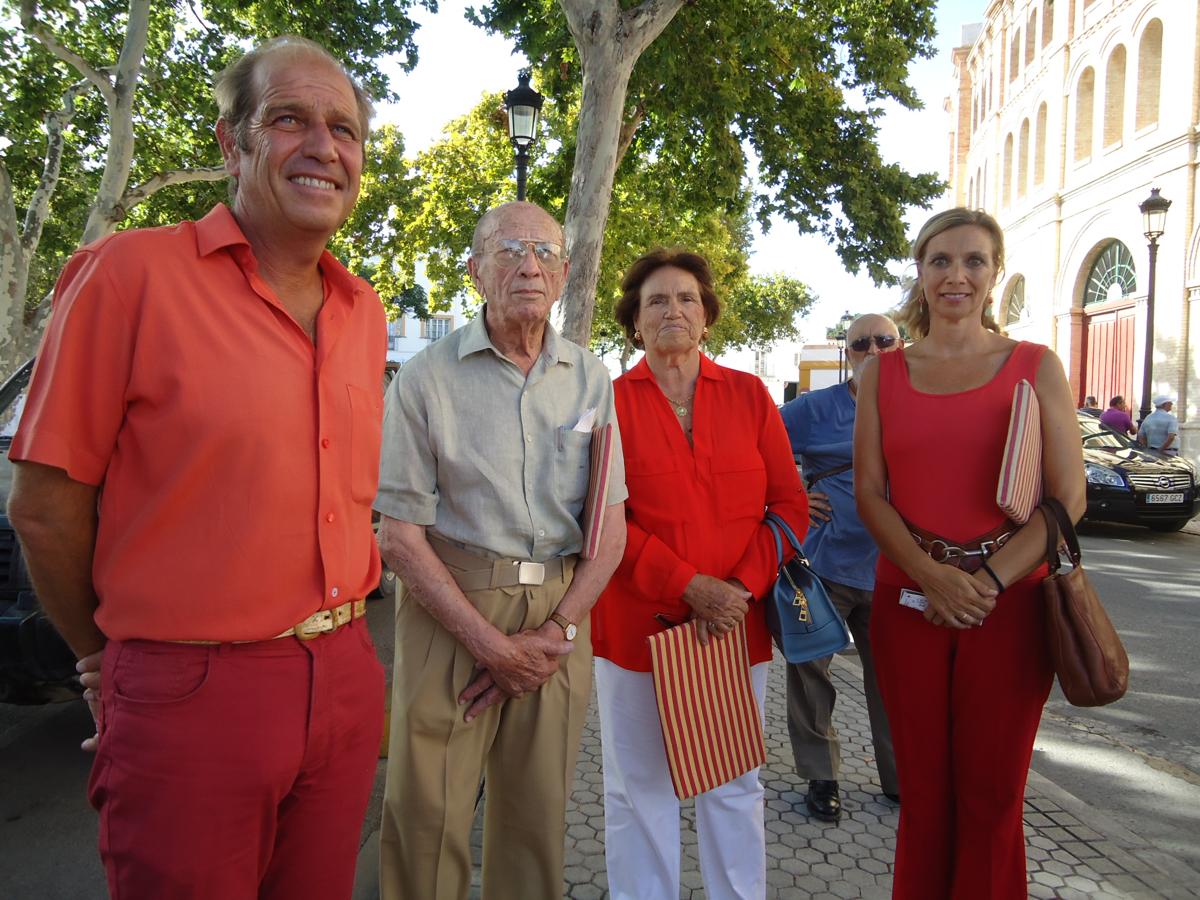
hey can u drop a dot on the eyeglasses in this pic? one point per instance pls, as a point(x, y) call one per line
point(863, 344)
point(510, 254)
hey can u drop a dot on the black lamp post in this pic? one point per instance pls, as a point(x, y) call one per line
point(840, 339)
point(1154, 219)
point(524, 105)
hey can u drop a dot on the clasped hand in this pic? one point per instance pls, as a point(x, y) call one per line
point(530, 658)
point(721, 605)
point(956, 599)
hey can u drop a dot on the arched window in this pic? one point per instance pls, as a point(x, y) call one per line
point(1149, 75)
point(971, 192)
point(1014, 302)
point(1085, 95)
point(1114, 97)
point(1023, 160)
point(1112, 276)
point(1039, 156)
point(983, 186)
point(1030, 38)
point(1014, 55)
point(1006, 176)
point(1047, 22)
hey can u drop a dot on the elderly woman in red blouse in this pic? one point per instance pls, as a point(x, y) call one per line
point(706, 455)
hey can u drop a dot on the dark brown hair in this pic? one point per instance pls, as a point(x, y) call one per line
point(646, 265)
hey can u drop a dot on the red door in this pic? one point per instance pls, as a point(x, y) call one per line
point(1108, 369)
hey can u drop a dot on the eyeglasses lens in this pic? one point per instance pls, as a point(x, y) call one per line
point(863, 344)
point(511, 253)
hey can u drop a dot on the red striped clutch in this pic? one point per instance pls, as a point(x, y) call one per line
point(710, 721)
point(597, 493)
point(1019, 489)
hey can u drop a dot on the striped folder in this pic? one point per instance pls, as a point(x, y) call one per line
point(710, 720)
point(597, 493)
point(1019, 489)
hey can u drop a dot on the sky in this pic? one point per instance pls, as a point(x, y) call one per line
point(459, 61)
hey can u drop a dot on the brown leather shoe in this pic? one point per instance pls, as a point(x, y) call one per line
point(824, 801)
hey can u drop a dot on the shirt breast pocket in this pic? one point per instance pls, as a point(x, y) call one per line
point(366, 436)
point(741, 493)
point(571, 467)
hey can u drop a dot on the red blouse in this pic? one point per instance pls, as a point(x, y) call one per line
point(696, 508)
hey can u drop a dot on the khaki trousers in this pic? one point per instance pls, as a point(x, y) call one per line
point(525, 748)
point(811, 695)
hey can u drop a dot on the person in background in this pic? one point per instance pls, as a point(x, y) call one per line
point(485, 471)
point(957, 621)
point(1117, 417)
point(1160, 429)
point(195, 470)
point(706, 456)
point(820, 426)
point(1090, 406)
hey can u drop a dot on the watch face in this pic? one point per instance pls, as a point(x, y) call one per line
point(570, 632)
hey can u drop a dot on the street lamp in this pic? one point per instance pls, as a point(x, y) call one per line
point(524, 105)
point(840, 339)
point(1154, 219)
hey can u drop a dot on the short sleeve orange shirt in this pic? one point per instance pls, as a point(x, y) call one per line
point(237, 461)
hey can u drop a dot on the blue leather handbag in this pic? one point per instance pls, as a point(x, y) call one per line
point(800, 615)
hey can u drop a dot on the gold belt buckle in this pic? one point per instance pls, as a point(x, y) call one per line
point(533, 573)
point(316, 624)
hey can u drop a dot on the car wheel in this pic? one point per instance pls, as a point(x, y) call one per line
point(1168, 525)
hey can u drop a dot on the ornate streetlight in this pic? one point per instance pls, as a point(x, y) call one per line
point(1154, 219)
point(524, 105)
point(840, 339)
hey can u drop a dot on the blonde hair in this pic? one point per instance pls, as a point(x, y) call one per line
point(913, 314)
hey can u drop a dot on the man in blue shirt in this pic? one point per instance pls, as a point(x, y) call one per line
point(820, 425)
point(1159, 429)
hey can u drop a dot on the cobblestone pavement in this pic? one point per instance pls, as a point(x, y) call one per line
point(1074, 851)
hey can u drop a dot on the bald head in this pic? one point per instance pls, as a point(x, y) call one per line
point(499, 218)
point(872, 327)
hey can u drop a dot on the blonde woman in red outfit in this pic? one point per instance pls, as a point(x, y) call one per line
point(959, 647)
point(706, 455)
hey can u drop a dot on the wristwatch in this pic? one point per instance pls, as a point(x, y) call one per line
point(568, 627)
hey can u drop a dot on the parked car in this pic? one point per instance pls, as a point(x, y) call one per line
point(36, 666)
point(1129, 483)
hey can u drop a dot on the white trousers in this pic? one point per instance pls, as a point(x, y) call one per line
point(641, 812)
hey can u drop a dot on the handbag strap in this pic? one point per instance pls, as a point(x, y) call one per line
point(1067, 527)
point(779, 527)
point(1051, 538)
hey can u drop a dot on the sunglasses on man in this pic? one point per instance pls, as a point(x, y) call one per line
point(863, 344)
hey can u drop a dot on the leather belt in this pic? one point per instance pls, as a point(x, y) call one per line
point(323, 622)
point(965, 555)
point(472, 572)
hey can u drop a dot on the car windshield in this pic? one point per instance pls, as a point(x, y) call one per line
point(1102, 437)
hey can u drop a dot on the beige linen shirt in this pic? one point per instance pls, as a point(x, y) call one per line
point(488, 457)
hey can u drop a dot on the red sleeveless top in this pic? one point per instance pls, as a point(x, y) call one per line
point(943, 451)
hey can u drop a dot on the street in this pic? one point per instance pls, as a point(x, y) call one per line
point(1134, 765)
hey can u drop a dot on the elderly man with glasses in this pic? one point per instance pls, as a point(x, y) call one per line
point(820, 426)
point(485, 470)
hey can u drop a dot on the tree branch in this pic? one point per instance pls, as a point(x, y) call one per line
point(628, 130)
point(46, 38)
point(39, 204)
point(155, 183)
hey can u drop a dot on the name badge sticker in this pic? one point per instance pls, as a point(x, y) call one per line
point(913, 600)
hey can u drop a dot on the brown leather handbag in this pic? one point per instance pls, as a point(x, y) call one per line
point(1088, 657)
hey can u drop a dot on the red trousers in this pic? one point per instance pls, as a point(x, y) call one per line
point(236, 771)
point(964, 707)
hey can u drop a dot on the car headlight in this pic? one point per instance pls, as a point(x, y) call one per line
point(1097, 474)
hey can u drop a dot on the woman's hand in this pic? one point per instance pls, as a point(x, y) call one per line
point(956, 600)
point(721, 605)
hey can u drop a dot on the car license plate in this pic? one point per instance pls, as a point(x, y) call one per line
point(1164, 498)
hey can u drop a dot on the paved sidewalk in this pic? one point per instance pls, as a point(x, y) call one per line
point(1074, 851)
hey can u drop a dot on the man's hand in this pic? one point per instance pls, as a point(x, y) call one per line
point(89, 676)
point(819, 510)
point(720, 604)
point(527, 660)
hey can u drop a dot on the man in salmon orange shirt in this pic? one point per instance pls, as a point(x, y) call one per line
point(195, 470)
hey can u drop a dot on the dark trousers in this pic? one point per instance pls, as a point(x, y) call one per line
point(811, 696)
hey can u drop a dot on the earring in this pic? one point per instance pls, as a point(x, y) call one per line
point(704, 334)
point(637, 337)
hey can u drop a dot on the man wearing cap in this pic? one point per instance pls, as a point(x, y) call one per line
point(486, 454)
point(1160, 429)
point(195, 470)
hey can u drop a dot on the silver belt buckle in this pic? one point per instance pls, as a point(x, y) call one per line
point(533, 573)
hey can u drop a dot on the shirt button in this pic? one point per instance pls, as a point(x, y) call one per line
point(333, 593)
point(325, 443)
point(329, 517)
point(541, 532)
point(529, 439)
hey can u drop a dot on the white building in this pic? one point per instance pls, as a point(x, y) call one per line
point(409, 335)
point(1064, 115)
